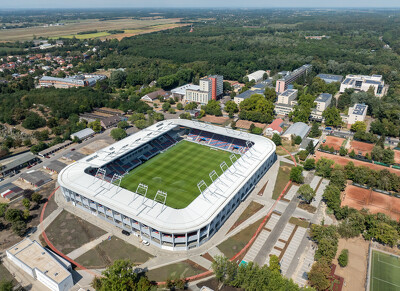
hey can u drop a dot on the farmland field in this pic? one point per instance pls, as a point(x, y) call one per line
point(70, 29)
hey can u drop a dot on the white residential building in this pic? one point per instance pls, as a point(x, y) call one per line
point(357, 113)
point(363, 83)
point(180, 92)
point(286, 101)
point(322, 102)
point(210, 87)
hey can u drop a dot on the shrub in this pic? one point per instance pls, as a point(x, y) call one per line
point(343, 258)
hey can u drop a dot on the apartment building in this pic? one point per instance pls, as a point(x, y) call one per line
point(210, 88)
point(364, 83)
point(283, 83)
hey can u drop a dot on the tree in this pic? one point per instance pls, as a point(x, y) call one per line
point(6, 285)
point(224, 269)
point(353, 225)
point(324, 167)
point(3, 209)
point(213, 107)
point(309, 164)
point(342, 151)
point(118, 79)
point(137, 116)
point(123, 124)
point(343, 258)
point(274, 265)
point(297, 139)
point(36, 197)
point(319, 275)
point(256, 130)
point(332, 198)
point(140, 124)
point(358, 126)
point(306, 192)
point(26, 214)
point(191, 106)
point(315, 131)
point(33, 121)
point(118, 134)
point(352, 154)
point(231, 108)
point(270, 94)
point(332, 117)
point(257, 109)
point(276, 138)
point(26, 203)
point(233, 124)
point(296, 174)
point(122, 276)
point(185, 115)
point(179, 106)
point(166, 106)
point(95, 125)
point(302, 155)
point(18, 227)
point(13, 215)
point(171, 111)
point(310, 147)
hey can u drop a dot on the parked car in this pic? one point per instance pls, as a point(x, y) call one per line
point(145, 242)
point(72, 150)
point(127, 233)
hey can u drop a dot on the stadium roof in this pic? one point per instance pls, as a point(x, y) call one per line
point(200, 212)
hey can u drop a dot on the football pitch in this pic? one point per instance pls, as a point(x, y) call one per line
point(177, 172)
point(385, 272)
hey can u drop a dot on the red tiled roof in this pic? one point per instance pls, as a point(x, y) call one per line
point(276, 125)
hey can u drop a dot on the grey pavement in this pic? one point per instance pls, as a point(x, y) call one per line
point(201, 261)
point(304, 266)
point(320, 191)
point(291, 256)
point(276, 232)
point(257, 245)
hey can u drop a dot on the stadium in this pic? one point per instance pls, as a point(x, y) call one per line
point(173, 184)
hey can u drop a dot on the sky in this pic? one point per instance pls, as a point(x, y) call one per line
point(29, 4)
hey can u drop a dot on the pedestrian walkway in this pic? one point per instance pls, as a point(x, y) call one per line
point(88, 246)
point(215, 252)
point(320, 191)
point(314, 182)
point(201, 261)
point(292, 192)
point(305, 265)
point(45, 223)
point(290, 252)
point(257, 245)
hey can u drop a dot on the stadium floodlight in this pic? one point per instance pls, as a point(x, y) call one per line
point(140, 190)
point(223, 166)
point(101, 174)
point(161, 197)
point(233, 158)
point(200, 185)
point(212, 175)
point(116, 180)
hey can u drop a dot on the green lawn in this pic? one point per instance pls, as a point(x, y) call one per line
point(104, 254)
point(177, 172)
point(282, 179)
point(178, 270)
point(83, 36)
point(385, 272)
point(234, 244)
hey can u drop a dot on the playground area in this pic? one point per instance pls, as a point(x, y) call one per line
point(335, 142)
point(359, 198)
point(361, 147)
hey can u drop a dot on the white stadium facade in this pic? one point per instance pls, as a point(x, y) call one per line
point(93, 183)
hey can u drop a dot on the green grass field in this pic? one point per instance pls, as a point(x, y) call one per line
point(385, 272)
point(177, 172)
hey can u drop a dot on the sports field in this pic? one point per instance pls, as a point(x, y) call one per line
point(177, 172)
point(385, 272)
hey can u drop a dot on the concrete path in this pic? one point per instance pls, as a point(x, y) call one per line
point(257, 245)
point(276, 232)
point(88, 246)
point(202, 262)
point(215, 252)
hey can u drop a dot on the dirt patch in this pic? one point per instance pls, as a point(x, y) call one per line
point(361, 147)
point(208, 257)
point(335, 142)
point(94, 147)
point(360, 198)
point(344, 161)
point(355, 272)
